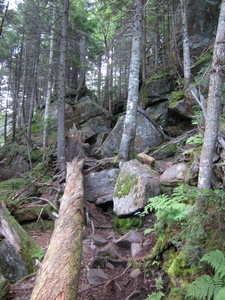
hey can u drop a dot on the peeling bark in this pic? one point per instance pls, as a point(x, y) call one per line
point(58, 276)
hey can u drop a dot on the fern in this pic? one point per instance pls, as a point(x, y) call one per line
point(217, 260)
point(202, 288)
point(207, 287)
point(156, 296)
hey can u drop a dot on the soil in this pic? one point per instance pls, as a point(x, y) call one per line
point(121, 285)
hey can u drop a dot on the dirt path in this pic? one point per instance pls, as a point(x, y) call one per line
point(126, 279)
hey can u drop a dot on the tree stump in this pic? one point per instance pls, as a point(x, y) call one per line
point(58, 276)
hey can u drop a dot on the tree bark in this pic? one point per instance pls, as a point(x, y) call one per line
point(58, 277)
point(186, 48)
point(214, 105)
point(49, 85)
point(61, 141)
point(129, 129)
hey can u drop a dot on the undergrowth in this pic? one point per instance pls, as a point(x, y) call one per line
point(191, 233)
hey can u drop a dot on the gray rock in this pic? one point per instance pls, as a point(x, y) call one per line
point(156, 90)
point(109, 250)
point(82, 111)
point(135, 185)
point(174, 172)
point(12, 266)
point(96, 276)
point(169, 149)
point(183, 108)
point(129, 238)
point(135, 249)
point(100, 184)
point(99, 124)
point(98, 240)
point(147, 136)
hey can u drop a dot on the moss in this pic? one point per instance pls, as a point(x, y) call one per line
point(204, 58)
point(161, 245)
point(124, 184)
point(179, 270)
point(157, 76)
point(28, 247)
point(177, 95)
point(126, 224)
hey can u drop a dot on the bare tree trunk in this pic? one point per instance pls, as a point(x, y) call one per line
point(129, 129)
point(83, 66)
point(214, 104)
point(49, 85)
point(61, 145)
point(186, 48)
point(58, 277)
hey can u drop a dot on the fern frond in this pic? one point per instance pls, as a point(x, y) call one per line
point(220, 295)
point(217, 260)
point(202, 288)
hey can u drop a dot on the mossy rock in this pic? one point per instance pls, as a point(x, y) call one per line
point(157, 76)
point(124, 225)
point(179, 270)
point(27, 246)
point(169, 149)
point(124, 184)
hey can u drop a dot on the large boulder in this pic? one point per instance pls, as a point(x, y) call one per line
point(157, 89)
point(147, 136)
point(135, 185)
point(82, 111)
point(12, 266)
point(202, 18)
point(99, 186)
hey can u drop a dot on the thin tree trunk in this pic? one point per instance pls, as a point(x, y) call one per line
point(129, 129)
point(214, 105)
point(83, 68)
point(58, 277)
point(61, 146)
point(49, 85)
point(186, 47)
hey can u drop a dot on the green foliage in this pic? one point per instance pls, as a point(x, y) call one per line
point(169, 210)
point(39, 255)
point(156, 296)
point(8, 187)
point(207, 287)
point(196, 140)
point(125, 224)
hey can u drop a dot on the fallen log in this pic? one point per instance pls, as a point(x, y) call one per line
point(58, 276)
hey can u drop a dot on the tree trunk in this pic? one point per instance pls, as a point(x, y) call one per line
point(214, 105)
point(61, 141)
point(58, 277)
point(49, 85)
point(129, 129)
point(186, 48)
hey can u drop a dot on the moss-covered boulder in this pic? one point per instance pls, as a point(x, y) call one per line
point(136, 183)
point(11, 230)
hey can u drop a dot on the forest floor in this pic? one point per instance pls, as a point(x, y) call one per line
point(121, 285)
